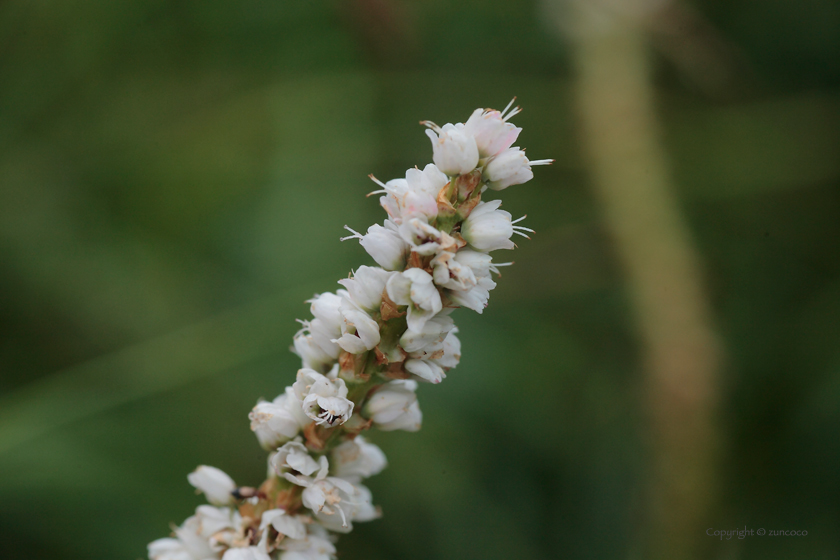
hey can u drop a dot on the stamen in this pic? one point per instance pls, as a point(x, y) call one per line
point(541, 162)
point(516, 221)
point(371, 193)
point(356, 234)
point(508, 107)
point(377, 181)
point(494, 267)
point(430, 124)
point(523, 228)
point(522, 234)
point(343, 518)
point(514, 111)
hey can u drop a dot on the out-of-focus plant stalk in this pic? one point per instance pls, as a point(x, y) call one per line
point(630, 174)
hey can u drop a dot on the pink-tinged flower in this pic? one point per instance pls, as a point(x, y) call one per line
point(491, 130)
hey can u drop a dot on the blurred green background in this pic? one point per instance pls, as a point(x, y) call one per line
point(174, 178)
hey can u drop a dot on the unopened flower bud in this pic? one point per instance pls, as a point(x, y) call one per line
point(394, 407)
point(312, 353)
point(356, 459)
point(274, 422)
point(426, 370)
point(214, 483)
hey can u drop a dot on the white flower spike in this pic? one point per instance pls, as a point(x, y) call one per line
point(364, 350)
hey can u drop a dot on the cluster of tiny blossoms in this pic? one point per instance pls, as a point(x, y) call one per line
point(364, 352)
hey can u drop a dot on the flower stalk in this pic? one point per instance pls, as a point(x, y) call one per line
point(365, 351)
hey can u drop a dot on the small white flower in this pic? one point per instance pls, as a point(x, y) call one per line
point(491, 130)
point(414, 196)
point(476, 297)
point(314, 342)
point(479, 263)
point(290, 526)
point(511, 167)
point(487, 228)
point(356, 459)
point(415, 288)
point(217, 523)
point(384, 244)
point(451, 351)
point(214, 483)
point(430, 364)
point(275, 422)
point(393, 191)
point(360, 332)
point(425, 239)
point(295, 405)
point(455, 153)
point(445, 353)
point(250, 553)
point(426, 370)
point(323, 399)
point(293, 456)
point(311, 353)
point(450, 273)
point(334, 501)
point(311, 547)
point(394, 407)
point(429, 181)
point(326, 307)
point(433, 331)
point(418, 204)
point(366, 287)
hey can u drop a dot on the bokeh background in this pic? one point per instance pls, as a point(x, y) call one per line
point(174, 178)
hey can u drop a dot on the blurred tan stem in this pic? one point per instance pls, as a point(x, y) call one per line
point(628, 167)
